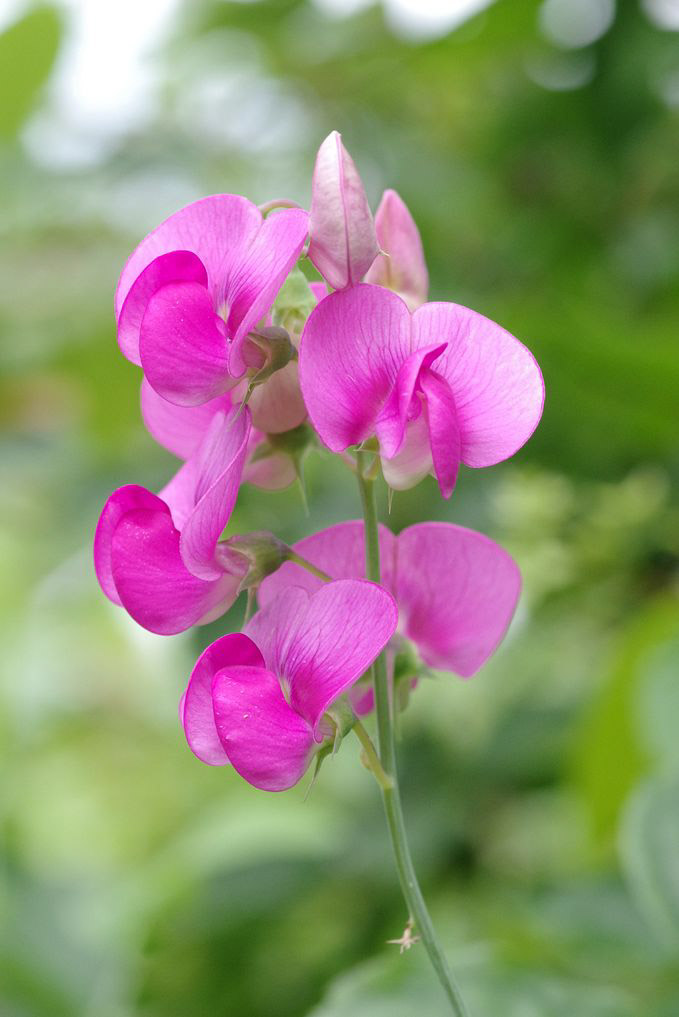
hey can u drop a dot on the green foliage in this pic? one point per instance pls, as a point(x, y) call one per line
point(28, 49)
point(138, 883)
point(609, 757)
point(649, 845)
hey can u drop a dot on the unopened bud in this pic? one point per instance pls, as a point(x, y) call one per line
point(273, 350)
point(294, 304)
point(254, 555)
point(400, 266)
point(343, 243)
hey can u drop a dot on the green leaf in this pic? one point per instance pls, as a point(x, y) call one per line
point(400, 986)
point(28, 50)
point(649, 850)
point(659, 707)
point(609, 755)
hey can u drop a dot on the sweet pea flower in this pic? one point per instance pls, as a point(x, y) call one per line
point(158, 555)
point(456, 589)
point(196, 286)
point(438, 387)
point(342, 239)
point(181, 429)
point(257, 699)
point(400, 266)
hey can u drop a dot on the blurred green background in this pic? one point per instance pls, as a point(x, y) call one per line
point(537, 146)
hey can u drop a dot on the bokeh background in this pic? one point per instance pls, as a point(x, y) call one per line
point(537, 145)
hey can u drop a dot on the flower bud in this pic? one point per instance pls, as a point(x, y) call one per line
point(267, 350)
point(401, 267)
point(278, 459)
point(252, 555)
point(343, 243)
point(294, 304)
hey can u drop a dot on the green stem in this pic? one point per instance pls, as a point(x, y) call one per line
point(309, 566)
point(371, 756)
point(391, 794)
point(269, 206)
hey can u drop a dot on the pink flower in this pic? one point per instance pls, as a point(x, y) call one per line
point(438, 387)
point(196, 286)
point(158, 555)
point(456, 589)
point(401, 267)
point(342, 239)
point(257, 700)
point(181, 429)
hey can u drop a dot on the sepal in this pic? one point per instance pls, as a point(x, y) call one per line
point(254, 555)
point(273, 350)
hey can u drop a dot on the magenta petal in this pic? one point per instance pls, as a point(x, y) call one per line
point(196, 711)
point(154, 586)
point(457, 591)
point(495, 381)
point(176, 266)
point(338, 551)
point(123, 500)
point(352, 347)
point(391, 423)
point(183, 345)
point(266, 741)
point(216, 471)
point(216, 229)
point(325, 642)
point(319, 290)
point(256, 279)
point(180, 429)
point(343, 244)
point(402, 268)
point(444, 433)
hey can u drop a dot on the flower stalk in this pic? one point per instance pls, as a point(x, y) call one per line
point(391, 796)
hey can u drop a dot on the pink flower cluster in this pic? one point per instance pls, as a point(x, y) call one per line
point(246, 365)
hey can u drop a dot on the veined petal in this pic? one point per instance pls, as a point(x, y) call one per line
point(256, 279)
point(338, 551)
point(179, 429)
point(391, 422)
point(402, 268)
point(173, 267)
point(183, 345)
point(457, 591)
point(351, 350)
point(343, 243)
point(273, 626)
point(217, 229)
point(123, 500)
point(444, 432)
point(153, 583)
point(267, 742)
point(196, 712)
point(215, 470)
point(495, 381)
point(324, 642)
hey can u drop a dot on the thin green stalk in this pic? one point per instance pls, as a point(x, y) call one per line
point(391, 794)
point(309, 566)
point(371, 757)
